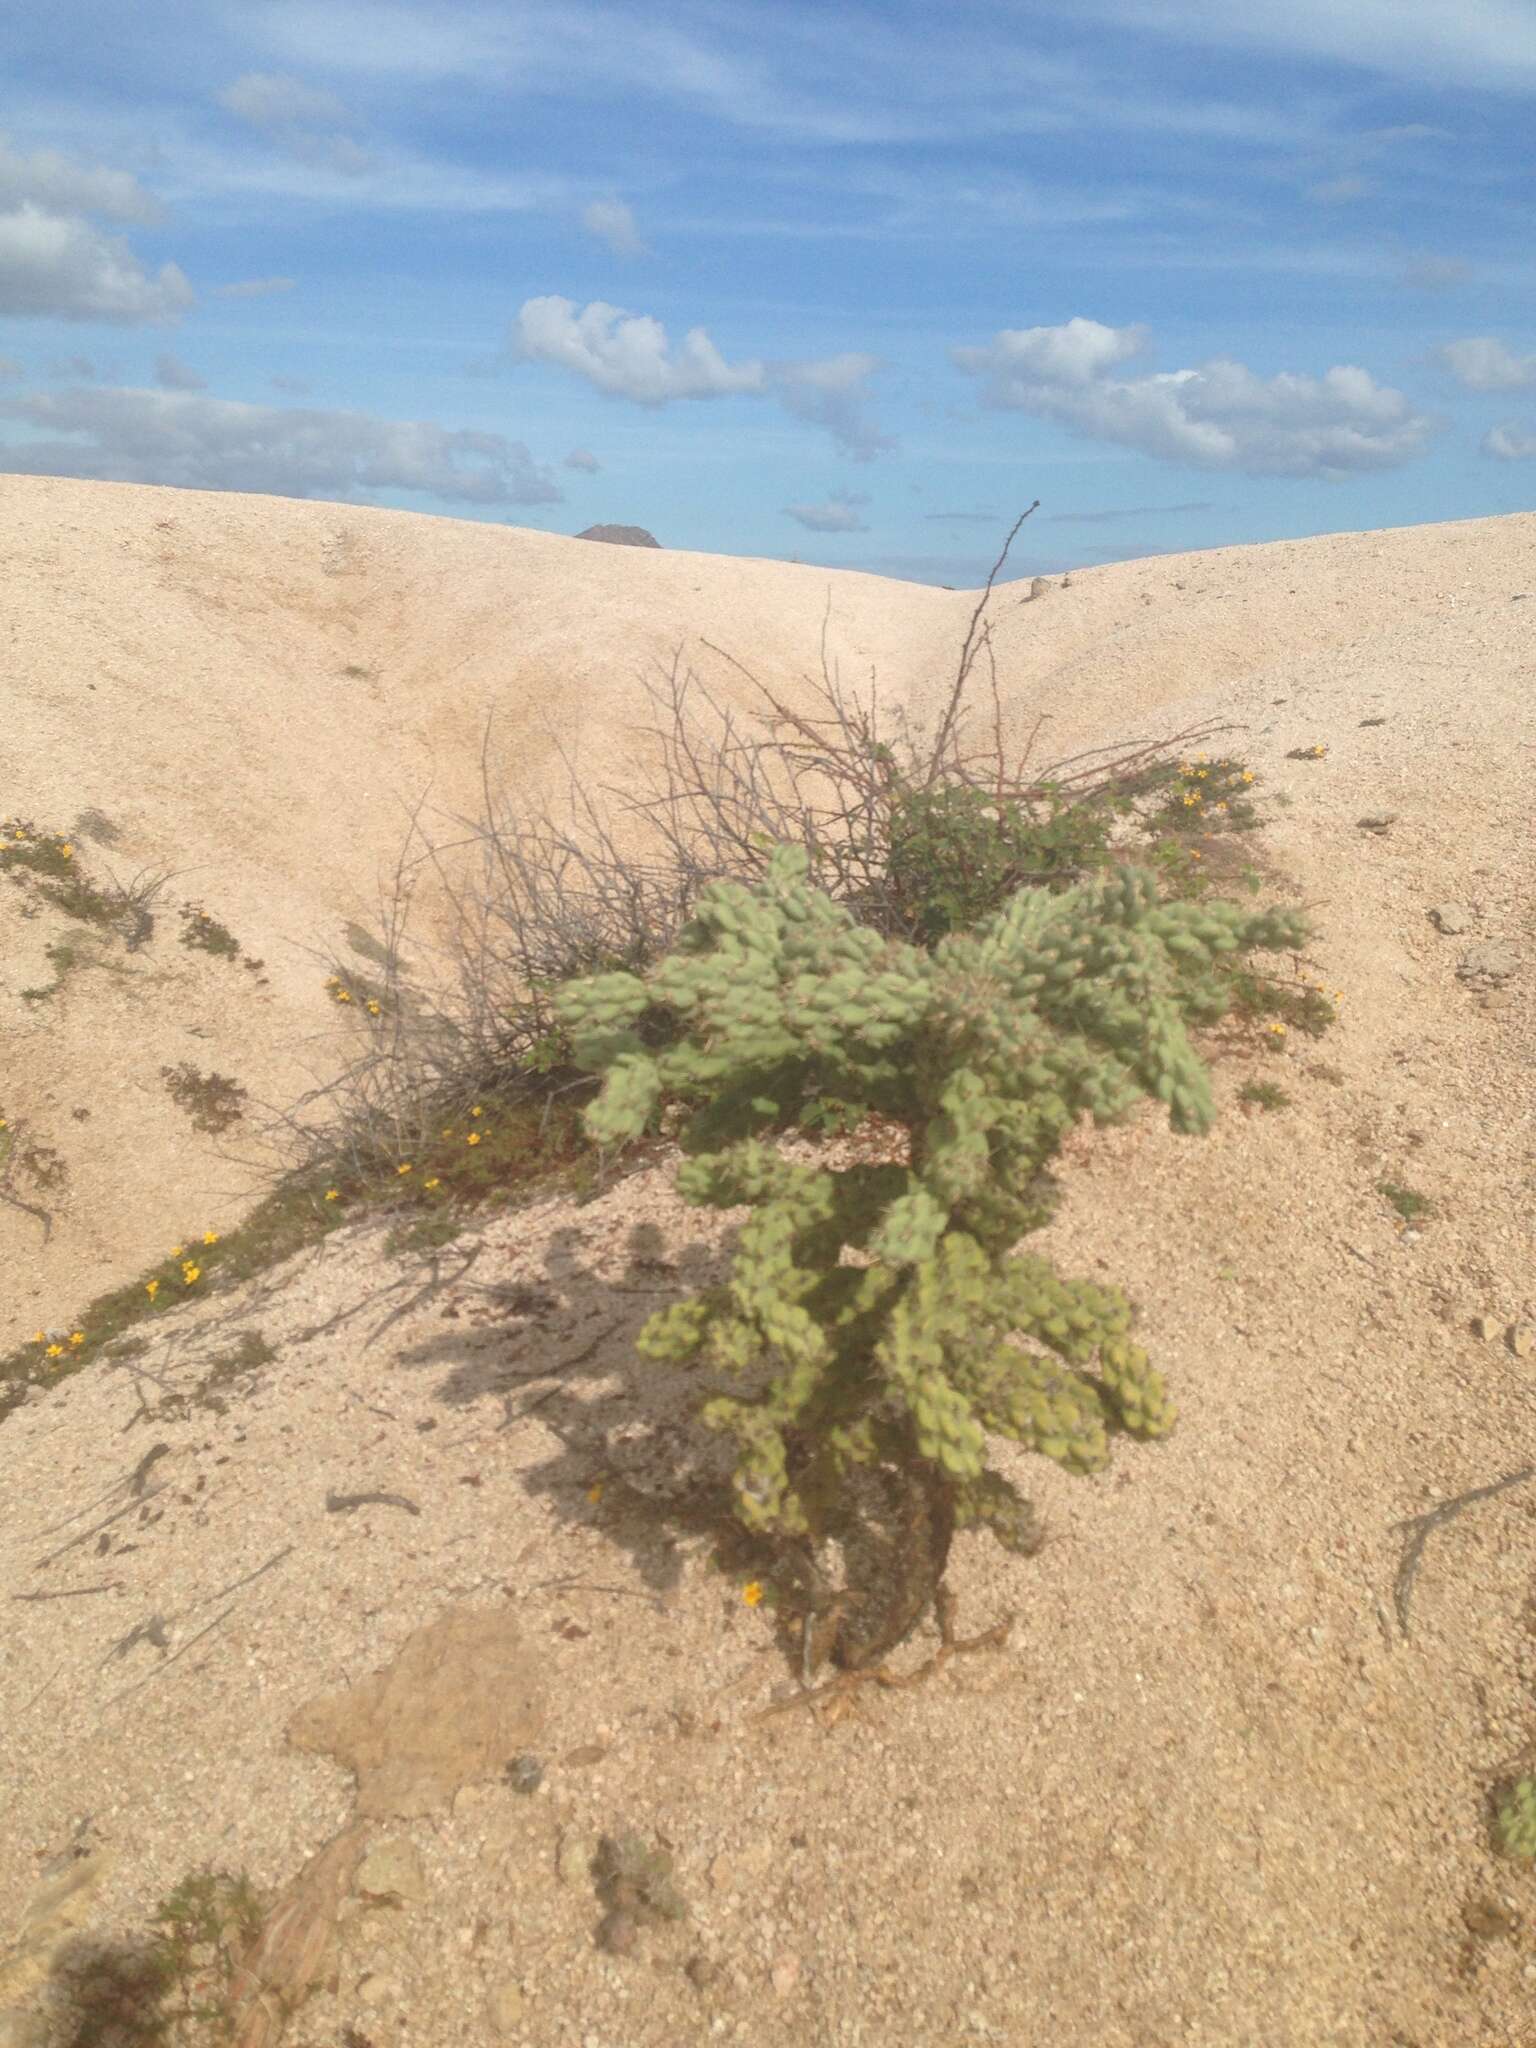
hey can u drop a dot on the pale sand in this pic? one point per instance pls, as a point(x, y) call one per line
point(1208, 1794)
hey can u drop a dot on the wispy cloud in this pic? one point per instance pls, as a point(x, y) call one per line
point(1510, 443)
point(583, 459)
point(254, 287)
point(1489, 44)
point(1127, 512)
point(299, 119)
point(833, 394)
point(836, 514)
point(1480, 363)
point(172, 374)
point(612, 221)
point(210, 444)
point(1219, 416)
point(1430, 273)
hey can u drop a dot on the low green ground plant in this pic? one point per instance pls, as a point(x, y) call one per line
point(172, 1987)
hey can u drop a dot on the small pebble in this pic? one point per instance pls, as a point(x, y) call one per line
point(785, 1975)
point(525, 1774)
point(504, 2007)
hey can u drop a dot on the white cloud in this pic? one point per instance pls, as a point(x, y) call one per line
point(1219, 416)
point(629, 356)
point(614, 223)
point(1510, 443)
point(832, 394)
point(254, 287)
point(49, 180)
point(626, 355)
point(305, 122)
point(583, 458)
point(210, 444)
point(836, 514)
point(55, 268)
point(171, 374)
point(1482, 364)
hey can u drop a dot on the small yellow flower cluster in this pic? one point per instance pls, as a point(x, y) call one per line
point(55, 1349)
point(339, 990)
point(14, 832)
point(752, 1593)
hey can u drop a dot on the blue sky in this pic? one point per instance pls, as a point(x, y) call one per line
point(850, 285)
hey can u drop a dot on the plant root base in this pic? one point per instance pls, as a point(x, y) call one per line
point(834, 1700)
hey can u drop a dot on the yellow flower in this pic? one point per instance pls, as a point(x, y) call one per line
point(210, 1237)
point(449, 1132)
point(434, 1182)
point(1247, 775)
point(40, 1337)
point(752, 1593)
point(55, 1350)
point(67, 851)
point(373, 1009)
point(342, 996)
point(190, 1273)
point(151, 1288)
point(473, 1138)
point(405, 1168)
point(477, 1110)
point(333, 1194)
point(177, 1250)
point(1278, 1030)
point(595, 1492)
point(77, 1336)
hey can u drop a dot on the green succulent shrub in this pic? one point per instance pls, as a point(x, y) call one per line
point(773, 1003)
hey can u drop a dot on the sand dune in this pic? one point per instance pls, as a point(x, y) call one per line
point(1210, 1792)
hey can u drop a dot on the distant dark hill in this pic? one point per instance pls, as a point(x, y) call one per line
point(624, 536)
